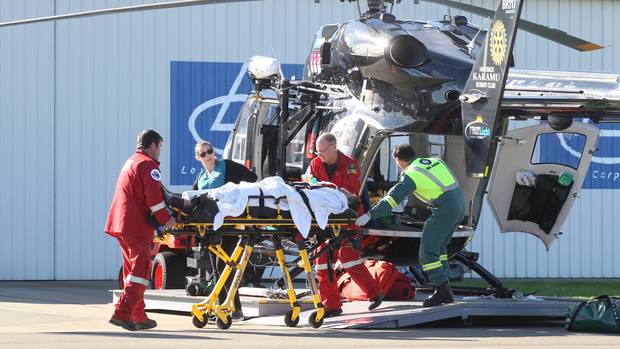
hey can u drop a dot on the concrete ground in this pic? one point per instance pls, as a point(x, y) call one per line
point(74, 314)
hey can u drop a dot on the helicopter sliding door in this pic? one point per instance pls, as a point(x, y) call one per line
point(533, 185)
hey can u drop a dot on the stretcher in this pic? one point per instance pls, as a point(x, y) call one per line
point(262, 220)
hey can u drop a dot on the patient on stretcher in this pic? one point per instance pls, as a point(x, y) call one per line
point(268, 199)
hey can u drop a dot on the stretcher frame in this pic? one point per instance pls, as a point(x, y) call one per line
point(252, 230)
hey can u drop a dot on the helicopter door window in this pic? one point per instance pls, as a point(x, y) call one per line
point(549, 149)
point(437, 145)
point(295, 152)
point(271, 116)
point(269, 143)
point(393, 171)
point(239, 144)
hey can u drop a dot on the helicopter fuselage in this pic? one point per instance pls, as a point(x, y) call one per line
point(404, 69)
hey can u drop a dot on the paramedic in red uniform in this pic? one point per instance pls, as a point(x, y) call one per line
point(138, 194)
point(333, 166)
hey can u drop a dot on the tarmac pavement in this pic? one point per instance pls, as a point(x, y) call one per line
point(75, 314)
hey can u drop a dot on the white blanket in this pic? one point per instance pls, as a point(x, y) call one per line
point(233, 199)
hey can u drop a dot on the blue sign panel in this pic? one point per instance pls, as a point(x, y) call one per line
point(205, 99)
point(604, 172)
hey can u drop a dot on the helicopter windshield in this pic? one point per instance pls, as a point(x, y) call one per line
point(366, 41)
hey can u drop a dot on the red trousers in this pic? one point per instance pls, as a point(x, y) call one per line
point(136, 276)
point(350, 260)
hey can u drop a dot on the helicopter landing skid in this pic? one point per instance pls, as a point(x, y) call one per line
point(469, 259)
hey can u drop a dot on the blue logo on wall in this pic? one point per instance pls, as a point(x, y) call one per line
point(604, 172)
point(205, 99)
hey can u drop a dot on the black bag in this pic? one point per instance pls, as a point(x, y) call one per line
point(599, 314)
point(204, 210)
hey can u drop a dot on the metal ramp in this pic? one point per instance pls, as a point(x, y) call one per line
point(390, 314)
point(393, 314)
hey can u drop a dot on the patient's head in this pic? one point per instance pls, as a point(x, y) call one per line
point(352, 200)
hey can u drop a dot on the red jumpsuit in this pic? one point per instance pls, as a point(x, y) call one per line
point(138, 194)
point(345, 176)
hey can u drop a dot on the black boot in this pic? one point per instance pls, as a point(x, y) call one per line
point(332, 312)
point(443, 294)
point(146, 324)
point(375, 302)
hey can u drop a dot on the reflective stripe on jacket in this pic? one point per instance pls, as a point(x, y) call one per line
point(432, 177)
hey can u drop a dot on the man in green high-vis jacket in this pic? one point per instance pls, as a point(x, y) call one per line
point(433, 182)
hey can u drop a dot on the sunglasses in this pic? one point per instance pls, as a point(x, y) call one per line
point(319, 152)
point(204, 153)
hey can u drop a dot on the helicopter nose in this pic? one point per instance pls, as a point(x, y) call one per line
point(406, 51)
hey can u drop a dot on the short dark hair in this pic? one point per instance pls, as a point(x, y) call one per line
point(148, 137)
point(353, 201)
point(404, 152)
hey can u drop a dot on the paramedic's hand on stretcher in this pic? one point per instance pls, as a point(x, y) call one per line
point(170, 223)
point(363, 220)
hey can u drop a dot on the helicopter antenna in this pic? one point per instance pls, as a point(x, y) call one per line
point(470, 46)
point(275, 55)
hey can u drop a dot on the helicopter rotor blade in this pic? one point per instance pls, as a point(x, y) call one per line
point(125, 9)
point(552, 34)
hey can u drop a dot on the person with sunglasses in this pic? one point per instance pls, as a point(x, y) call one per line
point(214, 174)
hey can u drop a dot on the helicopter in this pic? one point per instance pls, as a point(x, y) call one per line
point(443, 86)
point(375, 80)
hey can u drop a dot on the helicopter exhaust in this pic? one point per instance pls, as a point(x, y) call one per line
point(406, 51)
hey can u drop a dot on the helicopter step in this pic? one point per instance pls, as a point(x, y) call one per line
point(391, 314)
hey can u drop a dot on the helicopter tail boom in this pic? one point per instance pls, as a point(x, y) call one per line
point(483, 90)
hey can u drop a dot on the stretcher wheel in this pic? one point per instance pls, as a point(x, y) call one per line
point(312, 321)
point(192, 289)
point(288, 319)
point(224, 326)
point(200, 324)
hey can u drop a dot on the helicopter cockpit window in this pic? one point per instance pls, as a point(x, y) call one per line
point(563, 148)
point(365, 43)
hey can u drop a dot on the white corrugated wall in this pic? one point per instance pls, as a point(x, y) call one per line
point(27, 148)
point(74, 94)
